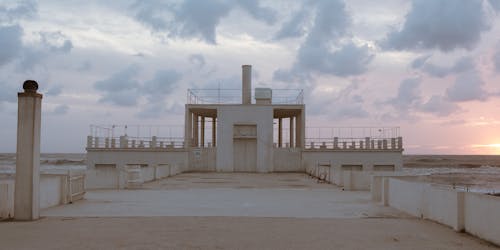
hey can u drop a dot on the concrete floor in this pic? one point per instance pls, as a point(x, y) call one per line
point(231, 211)
point(215, 194)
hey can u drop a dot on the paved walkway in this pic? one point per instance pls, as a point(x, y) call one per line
point(230, 211)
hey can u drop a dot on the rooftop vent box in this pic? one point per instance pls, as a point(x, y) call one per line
point(263, 95)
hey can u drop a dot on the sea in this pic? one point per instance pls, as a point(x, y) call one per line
point(475, 173)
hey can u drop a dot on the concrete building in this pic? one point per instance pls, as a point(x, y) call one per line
point(226, 134)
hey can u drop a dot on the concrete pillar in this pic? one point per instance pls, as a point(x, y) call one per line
point(153, 142)
point(246, 88)
point(123, 141)
point(400, 142)
point(27, 185)
point(188, 129)
point(335, 142)
point(361, 146)
point(367, 142)
point(202, 132)
point(393, 143)
point(195, 130)
point(106, 142)
point(292, 131)
point(214, 133)
point(89, 141)
point(280, 136)
point(384, 144)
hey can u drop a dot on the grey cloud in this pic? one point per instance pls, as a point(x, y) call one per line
point(161, 85)
point(295, 27)
point(467, 87)
point(60, 110)
point(440, 106)
point(258, 12)
point(123, 89)
point(195, 19)
point(440, 24)
point(408, 95)
point(495, 4)
point(331, 21)
point(84, 66)
point(120, 88)
point(198, 60)
point(54, 91)
point(348, 104)
point(21, 10)
point(8, 93)
point(56, 41)
point(10, 43)
point(463, 64)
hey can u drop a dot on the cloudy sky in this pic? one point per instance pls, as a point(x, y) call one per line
point(431, 67)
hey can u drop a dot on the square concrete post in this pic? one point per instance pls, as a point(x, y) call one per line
point(214, 133)
point(27, 185)
point(202, 134)
point(280, 135)
point(195, 130)
point(188, 128)
point(292, 132)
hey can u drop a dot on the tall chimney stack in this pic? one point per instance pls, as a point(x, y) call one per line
point(246, 88)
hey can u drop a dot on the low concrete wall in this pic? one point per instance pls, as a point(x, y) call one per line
point(110, 177)
point(482, 216)
point(357, 180)
point(6, 198)
point(478, 214)
point(202, 159)
point(56, 188)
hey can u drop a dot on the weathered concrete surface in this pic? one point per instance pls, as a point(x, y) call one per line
point(231, 211)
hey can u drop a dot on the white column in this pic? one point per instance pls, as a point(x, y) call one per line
point(188, 129)
point(214, 133)
point(202, 144)
point(292, 132)
point(195, 131)
point(280, 135)
point(27, 185)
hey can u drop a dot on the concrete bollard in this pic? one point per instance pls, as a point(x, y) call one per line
point(27, 185)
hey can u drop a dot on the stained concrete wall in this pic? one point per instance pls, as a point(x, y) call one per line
point(202, 159)
point(53, 192)
point(478, 214)
point(287, 160)
point(227, 117)
point(482, 216)
point(337, 158)
point(110, 177)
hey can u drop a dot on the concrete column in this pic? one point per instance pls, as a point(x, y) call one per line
point(195, 130)
point(367, 142)
point(188, 129)
point(335, 142)
point(400, 142)
point(292, 132)
point(301, 128)
point(153, 142)
point(214, 133)
point(202, 131)
point(27, 185)
point(280, 136)
point(246, 87)
point(393, 143)
point(89, 141)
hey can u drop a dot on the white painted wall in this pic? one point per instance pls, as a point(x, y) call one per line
point(51, 190)
point(6, 198)
point(478, 214)
point(287, 160)
point(227, 117)
point(482, 216)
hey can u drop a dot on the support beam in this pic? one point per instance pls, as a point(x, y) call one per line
point(202, 128)
point(280, 131)
point(214, 133)
point(292, 132)
point(27, 185)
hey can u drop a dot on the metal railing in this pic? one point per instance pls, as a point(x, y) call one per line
point(233, 96)
point(123, 142)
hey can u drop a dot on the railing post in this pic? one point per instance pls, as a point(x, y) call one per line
point(393, 143)
point(89, 141)
point(400, 142)
point(153, 142)
point(96, 142)
point(367, 142)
